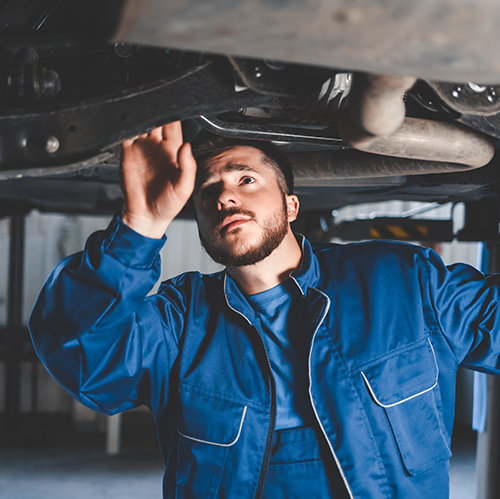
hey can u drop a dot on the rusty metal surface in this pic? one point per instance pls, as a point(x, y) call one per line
point(319, 168)
point(375, 107)
point(429, 140)
point(449, 40)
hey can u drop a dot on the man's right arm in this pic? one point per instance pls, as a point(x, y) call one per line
point(92, 326)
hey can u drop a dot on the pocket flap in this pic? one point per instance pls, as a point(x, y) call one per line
point(403, 376)
point(404, 385)
point(209, 420)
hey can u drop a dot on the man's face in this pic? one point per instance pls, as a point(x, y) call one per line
point(242, 213)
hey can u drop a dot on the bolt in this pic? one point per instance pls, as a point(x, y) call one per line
point(258, 73)
point(122, 49)
point(456, 92)
point(51, 144)
point(492, 95)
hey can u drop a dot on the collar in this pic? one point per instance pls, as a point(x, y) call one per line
point(304, 277)
point(307, 275)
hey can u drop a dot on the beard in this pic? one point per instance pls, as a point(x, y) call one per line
point(275, 228)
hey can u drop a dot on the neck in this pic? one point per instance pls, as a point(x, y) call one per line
point(271, 271)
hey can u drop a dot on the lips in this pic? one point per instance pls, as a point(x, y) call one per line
point(233, 221)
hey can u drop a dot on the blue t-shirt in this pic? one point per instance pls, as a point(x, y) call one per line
point(280, 311)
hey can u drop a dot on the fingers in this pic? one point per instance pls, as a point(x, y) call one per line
point(156, 133)
point(186, 159)
point(132, 140)
point(188, 166)
point(172, 139)
point(170, 134)
point(127, 143)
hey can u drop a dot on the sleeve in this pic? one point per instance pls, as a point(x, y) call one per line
point(465, 303)
point(97, 333)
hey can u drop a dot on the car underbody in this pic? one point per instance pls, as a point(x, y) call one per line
point(371, 101)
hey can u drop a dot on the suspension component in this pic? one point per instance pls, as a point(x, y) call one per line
point(30, 80)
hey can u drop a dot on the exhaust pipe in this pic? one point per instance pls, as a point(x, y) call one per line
point(429, 140)
point(373, 120)
point(329, 168)
point(374, 107)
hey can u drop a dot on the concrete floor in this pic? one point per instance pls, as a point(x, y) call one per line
point(63, 464)
point(59, 463)
point(78, 475)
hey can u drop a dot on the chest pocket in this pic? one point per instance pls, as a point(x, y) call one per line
point(405, 387)
point(208, 428)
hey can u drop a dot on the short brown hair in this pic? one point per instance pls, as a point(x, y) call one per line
point(208, 145)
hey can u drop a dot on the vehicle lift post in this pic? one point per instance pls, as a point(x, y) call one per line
point(14, 322)
point(488, 442)
point(482, 219)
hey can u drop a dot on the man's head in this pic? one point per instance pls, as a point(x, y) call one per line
point(206, 146)
point(243, 199)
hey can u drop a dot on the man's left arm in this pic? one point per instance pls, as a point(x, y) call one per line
point(465, 304)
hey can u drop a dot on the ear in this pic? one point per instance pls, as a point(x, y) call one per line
point(292, 204)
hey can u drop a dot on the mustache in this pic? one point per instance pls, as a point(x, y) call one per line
point(229, 212)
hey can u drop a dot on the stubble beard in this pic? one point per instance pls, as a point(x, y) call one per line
point(275, 228)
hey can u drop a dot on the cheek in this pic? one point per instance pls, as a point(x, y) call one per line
point(200, 220)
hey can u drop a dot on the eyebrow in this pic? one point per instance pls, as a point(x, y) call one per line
point(231, 167)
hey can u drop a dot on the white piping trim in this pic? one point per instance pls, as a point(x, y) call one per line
point(213, 443)
point(298, 285)
point(386, 406)
point(341, 471)
point(303, 244)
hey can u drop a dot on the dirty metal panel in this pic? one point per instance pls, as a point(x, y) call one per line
point(450, 40)
point(74, 134)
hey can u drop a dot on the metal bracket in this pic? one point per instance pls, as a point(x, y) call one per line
point(268, 132)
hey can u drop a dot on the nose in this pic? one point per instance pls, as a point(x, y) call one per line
point(227, 198)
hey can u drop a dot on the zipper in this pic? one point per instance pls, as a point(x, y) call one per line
point(312, 401)
point(270, 431)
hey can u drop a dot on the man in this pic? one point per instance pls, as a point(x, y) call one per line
point(299, 371)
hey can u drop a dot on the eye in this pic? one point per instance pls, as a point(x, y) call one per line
point(247, 180)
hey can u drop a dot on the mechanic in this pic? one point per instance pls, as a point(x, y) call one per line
point(300, 370)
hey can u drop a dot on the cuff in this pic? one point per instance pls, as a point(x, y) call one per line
point(130, 247)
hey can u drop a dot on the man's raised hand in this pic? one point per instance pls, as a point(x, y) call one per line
point(158, 176)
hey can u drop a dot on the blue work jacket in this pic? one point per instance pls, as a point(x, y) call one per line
point(389, 324)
